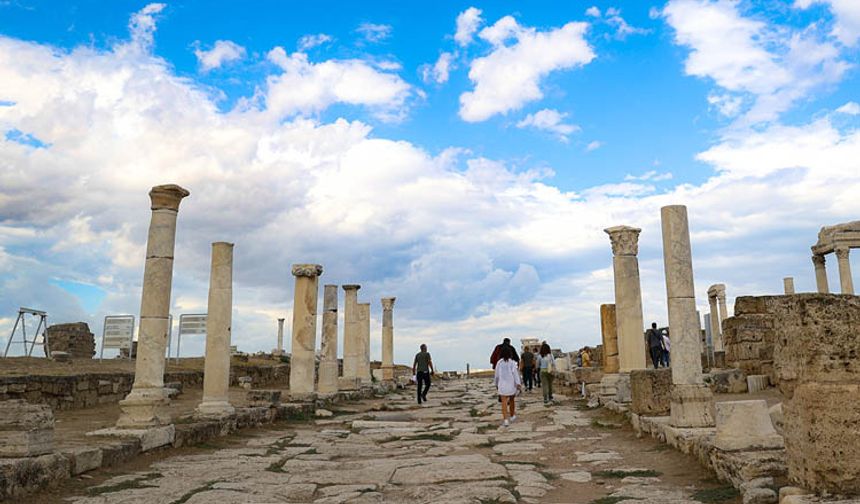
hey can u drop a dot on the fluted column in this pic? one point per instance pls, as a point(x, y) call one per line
point(388, 338)
point(146, 404)
point(628, 297)
point(845, 281)
point(350, 331)
point(691, 400)
point(303, 357)
point(364, 342)
point(328, 356)
point(280, 348)
point(219, 316)
point(788, 285)
point(820, 273)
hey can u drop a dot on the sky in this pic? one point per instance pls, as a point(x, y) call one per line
point(464, 157)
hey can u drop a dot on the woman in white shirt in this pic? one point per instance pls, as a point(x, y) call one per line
point(546, 365)
point(508, 383)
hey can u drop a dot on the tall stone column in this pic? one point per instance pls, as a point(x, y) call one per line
point(820, 273)
point(350, 331)
point(628, 297)
point(280, 348)
point(845, 281)
point(146, 404)
point(714, 319)
point(388, 338)
point(788, 285)
point(219, 316)
point(691, 400)
point(303, 358)
point(364, 342)
point(610, 338)
point(328, 359)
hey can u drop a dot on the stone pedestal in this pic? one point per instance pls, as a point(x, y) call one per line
point(351, 350)
point(219, 317)
point(692, 401)
point(845, 280)
point(788, 285)
point(146, 404)
point(388, 338)
point(279, 350)
point(628, 297)
point(364, 343)
point(609, 336)
point(745, 425)
point(820, 273)
point(328, 356)
point(650, 389)
point(26, 430)
point(303, 359)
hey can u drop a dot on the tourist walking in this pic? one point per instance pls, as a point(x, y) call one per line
point(546, 364)
point(496, 355)
point(422, 368)
point(527, 365)
point(667, 346)
point(655, 344)
point(508, 383)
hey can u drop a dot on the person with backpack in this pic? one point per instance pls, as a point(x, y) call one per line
point(655, 344)
point(508, 384)
point(496, 355)
point(546, 364)
point(667, 346)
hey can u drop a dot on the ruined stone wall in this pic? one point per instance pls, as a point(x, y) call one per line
point(749, 336)
point(74, 339)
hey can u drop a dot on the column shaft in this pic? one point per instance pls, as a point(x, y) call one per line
point(820, 273)
point(628, 298)
point(350, 331)
point(364, 342)
point(388, 338)
point(328, 359)
point(845, 281)
point(280, 348)
point(788, 285)
point(609, 335)
point(303, 359)
point(716, 338)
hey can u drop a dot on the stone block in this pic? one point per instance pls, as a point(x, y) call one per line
point(776, 417)
point(623, 395)
point(58, 356)
point(267, 398)
point(745, 425)
point(344, 383)
point(26, 430)
point(149, 438)
point(650, 390)
point(75, 340)
point(822, 437)
point(757, 383)
point(83, 459)
point(726, 381)
point(588, 375)
point(20, 476)
point(691, 406)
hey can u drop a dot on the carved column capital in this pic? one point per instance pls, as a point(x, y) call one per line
point(167, 197)
point(818, 259)
point(307, 270)
point(349, 287)
point(388, 303)
point(842, 253)
point(625, 240)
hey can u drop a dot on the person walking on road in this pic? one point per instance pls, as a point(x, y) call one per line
point(496, 355)
point(508, 384)
point(527, 366)
point(546, 364)
point(667, 346)
point(655, 344)
point(422, 368)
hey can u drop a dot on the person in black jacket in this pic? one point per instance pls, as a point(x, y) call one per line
point(655, 344)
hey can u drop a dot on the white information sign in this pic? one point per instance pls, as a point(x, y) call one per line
point(118, 333)
point(190, 324)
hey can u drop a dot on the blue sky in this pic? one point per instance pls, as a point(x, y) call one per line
point(464, 157)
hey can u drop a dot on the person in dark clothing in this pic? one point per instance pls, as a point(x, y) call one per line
point(422, 368)
point(497, 352)
point(655, 344)
point(527, 366)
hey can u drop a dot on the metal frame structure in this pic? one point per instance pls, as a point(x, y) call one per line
point(22, 321)
point(105, 330)
point(190, 323)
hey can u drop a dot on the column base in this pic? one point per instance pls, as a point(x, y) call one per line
point(691, 406)
point(303, 396)
point(388, 373)
point(214, 410)
point(144, 407)
point(327, 384)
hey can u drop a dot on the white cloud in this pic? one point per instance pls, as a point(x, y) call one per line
point(622, 28)
point(850, 108)
point(440, 70)
point(593, 145)
point(311, 41)
point(224, 51)
point(374, 32)
point(510, 76)
point(141, 26)
point(593, 11)
point(847, 14)
point(468, 22)
point(307, 87)
point(651, 175)
point(727, 104)
point(777, 66)
point(549, 120)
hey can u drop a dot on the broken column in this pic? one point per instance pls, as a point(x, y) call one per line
point(716, 337)
point(846, 283)
point(628, 297)
point(303, 358)
point(691, 400)
point(788, 285)
point(388, 338)
point(26, 430)
point(820, 273)
point(146, 404)
point(350, 332)
point(280, 348)
point(609, 337)
point(364, 343)
point(328, 356)
point(219, 316)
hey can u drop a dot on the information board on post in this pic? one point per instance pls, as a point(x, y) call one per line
point(190, 324)
point(117, 333)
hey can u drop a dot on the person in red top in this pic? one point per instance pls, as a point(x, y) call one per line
point(497, 352)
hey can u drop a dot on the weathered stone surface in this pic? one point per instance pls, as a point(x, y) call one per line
point(150, 438)
point(757, 383)
point(83, 459)
point(26, 430)
point(609, 335)
point(745, 425)
point(74, 339)
point(22, 476)
point(267, 398)
point(650, 391)
point(691, 406)
point(726, 381)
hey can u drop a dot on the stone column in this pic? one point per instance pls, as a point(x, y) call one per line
point(788, 285)
point(716, 338)
point(820, 273)
point(364, 342)
point(610, 338)
point(303, 359)
point(328, 359)
point(280, 349)
point(845, 281)
point(388, 338)
point(724, 311)
point(350, 331)
point(219, 316)
point(146, 404)
point(691, 400)
point(628, 297)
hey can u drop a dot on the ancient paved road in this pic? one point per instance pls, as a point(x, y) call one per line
point(451, 450)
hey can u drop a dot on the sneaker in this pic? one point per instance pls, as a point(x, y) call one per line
point(513, 419)
point(505, 423)
point(424, 398)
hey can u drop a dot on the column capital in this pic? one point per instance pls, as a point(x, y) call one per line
point(167, 197)
point(388, 303)
point(349, 287)
point(717, 291)
point(818, 259)
point(281, 319)
point(625, 240)
point(841, 252)
point(307, 270)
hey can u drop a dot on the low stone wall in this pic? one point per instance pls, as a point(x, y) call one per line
point(749, 336)
point(91, 389)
